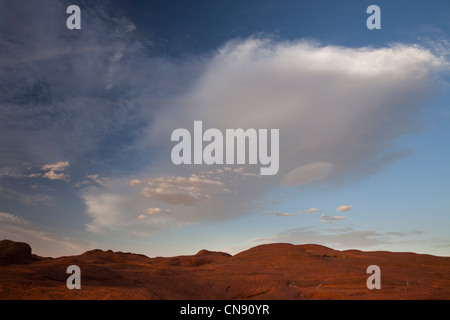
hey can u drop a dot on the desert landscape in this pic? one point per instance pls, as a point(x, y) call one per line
point(271, 271)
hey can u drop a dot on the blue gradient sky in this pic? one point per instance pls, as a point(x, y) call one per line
point(86, 112)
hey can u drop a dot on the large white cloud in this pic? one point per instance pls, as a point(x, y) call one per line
point(338, 110)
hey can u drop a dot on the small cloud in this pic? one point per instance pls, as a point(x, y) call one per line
point(92, 178)
point(308, 173)
point(311, 210)
point(52, 175)
point(34, 175)
point(55, 171)
point(278, 214)
point(153, 211)
point(59, 166)
point(157, 211)
point(182, 190)
point(228, 171)
point(328, 219)
point(249, 174)
point(11, 218)
point(27, 198)
point(10, 172)
point(80, 183)
point(261, 239)
point(344, 208)
point(134, 182)
point(397, 234)
point(97, 179)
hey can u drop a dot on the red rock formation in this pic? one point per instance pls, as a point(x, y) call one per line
point(14, 253)
point(272, 271)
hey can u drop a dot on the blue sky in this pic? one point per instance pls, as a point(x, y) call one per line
point(87, 117)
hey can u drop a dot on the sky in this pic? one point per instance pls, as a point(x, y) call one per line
point(87, 117)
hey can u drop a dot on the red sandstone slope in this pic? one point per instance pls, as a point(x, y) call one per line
point(272, 271)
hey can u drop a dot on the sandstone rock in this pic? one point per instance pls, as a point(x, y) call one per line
point(14, 252)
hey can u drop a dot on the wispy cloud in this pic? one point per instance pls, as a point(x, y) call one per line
point(181, 190)
point(173, 201)
point(92, 178)
point(44, 242)
point(59, 166)
point(344, 208)
point(11, 218)
point(154, 211)
point(52, 175)
point(157, 211)
point(329, 219)
point(283, 214)
point(10, 173)
point(134, 182)
point(55, 171)
point(278, 214)
point(46, 114)
point(26, 198)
